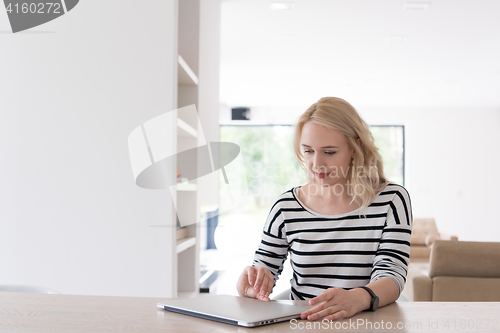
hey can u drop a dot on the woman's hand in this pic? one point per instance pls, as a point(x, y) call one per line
point(337, 303)
point(255, 282)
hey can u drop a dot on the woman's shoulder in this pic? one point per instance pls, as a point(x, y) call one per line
point(290, 195)
point(287, 198)
point(393, 187)
point(396, 191)
point(400, 204)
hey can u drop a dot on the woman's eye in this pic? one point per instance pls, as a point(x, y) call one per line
point(330, 152)
point(307, 151)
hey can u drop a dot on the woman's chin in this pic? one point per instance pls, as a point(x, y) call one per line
point(328, 182)
point(323, 182)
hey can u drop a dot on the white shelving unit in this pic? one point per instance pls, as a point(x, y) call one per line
point(184, 130)
point(188, 130)
point(186, 187)
point(171, 140)
point(185, 243)
point(185, 75)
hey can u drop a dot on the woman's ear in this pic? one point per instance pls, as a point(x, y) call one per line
point(360, 145)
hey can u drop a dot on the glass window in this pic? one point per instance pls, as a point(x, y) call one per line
point(390, 142)
point(271, 169)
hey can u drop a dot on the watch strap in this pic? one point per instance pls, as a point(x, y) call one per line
point(373, 304)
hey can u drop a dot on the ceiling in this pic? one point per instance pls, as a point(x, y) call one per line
point(371, 53)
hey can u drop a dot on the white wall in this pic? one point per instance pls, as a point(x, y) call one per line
point(208, 102)
point(451, 161)
point(71, 91)
point(208, 91)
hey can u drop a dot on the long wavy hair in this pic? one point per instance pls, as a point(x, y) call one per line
point(366, 177)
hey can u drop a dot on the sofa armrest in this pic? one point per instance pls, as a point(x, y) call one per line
point(418, 287)
point(444, 236)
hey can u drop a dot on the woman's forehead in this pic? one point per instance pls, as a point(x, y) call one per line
point(319, 135)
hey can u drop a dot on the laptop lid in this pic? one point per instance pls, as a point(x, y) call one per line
point(242, 311)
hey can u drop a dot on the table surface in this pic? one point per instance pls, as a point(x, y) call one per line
point(25, 312)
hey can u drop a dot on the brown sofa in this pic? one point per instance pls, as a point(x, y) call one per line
point(459, 271)
point(424, 234)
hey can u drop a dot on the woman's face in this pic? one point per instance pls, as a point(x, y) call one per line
point(327, 155)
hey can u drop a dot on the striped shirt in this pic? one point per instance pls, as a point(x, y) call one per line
point(346, 250)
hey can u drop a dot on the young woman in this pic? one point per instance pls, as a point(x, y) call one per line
point(347, 230)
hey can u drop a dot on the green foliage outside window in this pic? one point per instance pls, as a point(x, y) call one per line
point(271, 167)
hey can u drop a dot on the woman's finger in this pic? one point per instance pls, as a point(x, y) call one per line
point(316, 309)
point(260, 277)
point(263, 298)
point(270, 285)
point(250, 270)
point(323, 313)
point(323, 297)
point(337, 315)
point(265, 290)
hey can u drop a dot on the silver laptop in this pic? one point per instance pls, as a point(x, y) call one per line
point(242, 311)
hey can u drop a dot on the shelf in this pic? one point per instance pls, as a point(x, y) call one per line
point(185, 243)
point(181, 233)
point(188, 132)
point(211, 208)
point(186, 187)
point(185, 130)
point(188, 294)
point(185, 74)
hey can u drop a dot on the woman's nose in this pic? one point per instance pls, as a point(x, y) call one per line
point(318, 162)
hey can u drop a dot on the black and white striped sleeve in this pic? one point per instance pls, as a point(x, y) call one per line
point(393, 254)
point(273, 248)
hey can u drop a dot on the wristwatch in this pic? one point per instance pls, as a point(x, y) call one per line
point(374, 302)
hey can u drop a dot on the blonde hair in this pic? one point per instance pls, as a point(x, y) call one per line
point(337, 114)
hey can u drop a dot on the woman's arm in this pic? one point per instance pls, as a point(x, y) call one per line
point(393, 253)
point(386, 290)
point(338, 303)
point(257, 281)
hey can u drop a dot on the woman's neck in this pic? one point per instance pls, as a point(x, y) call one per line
point(334, 194)
point(324, 201)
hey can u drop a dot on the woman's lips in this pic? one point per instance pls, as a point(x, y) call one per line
point(321, 175)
